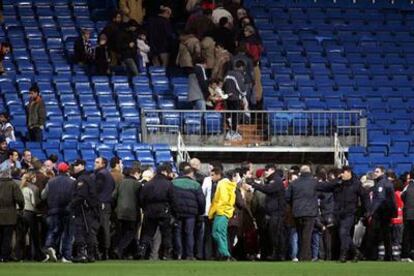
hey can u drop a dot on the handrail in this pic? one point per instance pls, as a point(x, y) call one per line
point(340, 158)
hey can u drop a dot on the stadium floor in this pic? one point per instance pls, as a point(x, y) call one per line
point(114, 268)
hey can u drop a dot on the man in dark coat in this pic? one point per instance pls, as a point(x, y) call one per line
point(127, 45)
point(190, 204)
point(348, 193)
point(83, 50)
point(36, 115)
point(303, 197)
point(105, 186)
point(161, 36)
point(407, 196)
point(127, 210)
point(381, 209)
point(85, 208)
point(58, 193)
point(10, 197)
point(224, 35)
point(157, 199)
point(111, 32)
point(275, 209)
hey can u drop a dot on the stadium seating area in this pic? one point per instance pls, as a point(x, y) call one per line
point(319, 55)
point(344, 55)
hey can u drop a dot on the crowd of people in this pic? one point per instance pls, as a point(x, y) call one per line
point(59, 211)
point(218, 49)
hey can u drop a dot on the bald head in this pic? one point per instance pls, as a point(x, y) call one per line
point(48, 165)
point(305, 169)
point(195, 163)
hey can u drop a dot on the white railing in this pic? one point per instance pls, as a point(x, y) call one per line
point(182, 153)
point(340, 157)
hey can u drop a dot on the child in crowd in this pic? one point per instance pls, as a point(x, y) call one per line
point(143, 50)
point(217, 96)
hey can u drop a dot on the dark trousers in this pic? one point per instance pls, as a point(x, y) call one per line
point(149, 229)
point(105, 225)
point(326, 245)
point(234, 105)
point(127, 231)
point(184, 237)
point(199, 238)
point(86, 229)
point(6, 233)
point(36, 134)
point(60, 234)
point(408, 239)
point(345, 225)
point(277, 235)
point(379, 231)
point(27, 223)
point(210, 249)
point(304, 226)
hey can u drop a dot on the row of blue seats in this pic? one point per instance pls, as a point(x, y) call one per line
point(346, 4)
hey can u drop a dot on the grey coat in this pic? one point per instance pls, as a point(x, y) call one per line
point(10, 196)
point(194, 90)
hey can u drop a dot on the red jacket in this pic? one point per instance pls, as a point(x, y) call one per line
point(400, 205)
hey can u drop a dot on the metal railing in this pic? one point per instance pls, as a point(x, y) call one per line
point(182, 153)
point(339, 155)
point(293, 128)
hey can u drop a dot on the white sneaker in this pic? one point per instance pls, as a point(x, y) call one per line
point(407, 260)
point(229, 135)
point(52, 254)
point(237, 136)
point(66, 261)
point(46, 259)
point(295, 260)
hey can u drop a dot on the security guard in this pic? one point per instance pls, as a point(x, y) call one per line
point(348, 193)
point(86, 215)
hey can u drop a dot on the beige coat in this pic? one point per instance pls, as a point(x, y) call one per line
point(188, 50)
point(132, 9)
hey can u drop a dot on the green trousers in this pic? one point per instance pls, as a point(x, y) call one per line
point(220, 224)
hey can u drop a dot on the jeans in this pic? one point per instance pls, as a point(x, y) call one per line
point(199, 238)
point(199, 105)
point(36, 134)
point(27, 223)
point(60, 232)
point(131, 67)
point(316, 237)
point(184, 237)
point(220, 225)
point(294, 243)
point(105, 224)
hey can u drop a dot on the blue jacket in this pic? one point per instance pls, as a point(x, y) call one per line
point(58, 193)
point(303, 197)
point(105, 185)
point(383, 204)
point(190, 198)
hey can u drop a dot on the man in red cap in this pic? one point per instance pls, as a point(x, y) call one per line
point(58, 193)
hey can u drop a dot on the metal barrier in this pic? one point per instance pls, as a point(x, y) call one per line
point(210, 130)
point(340, 157)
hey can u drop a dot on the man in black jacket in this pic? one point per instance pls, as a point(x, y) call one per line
point(407, 196)
point(58, 193)
point(348, 193)
point(275, 209)
point(190, 204)
point(127, 40)
point(105, 185)
point(381, 209)
point(302, 196)
point(85, 209)
point(157, 199)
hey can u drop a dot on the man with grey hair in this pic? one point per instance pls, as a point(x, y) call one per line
point(303, 199)
point(10, 197)
point(195, 163)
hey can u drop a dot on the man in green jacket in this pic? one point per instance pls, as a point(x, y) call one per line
point(10, 197)
point(127, 209)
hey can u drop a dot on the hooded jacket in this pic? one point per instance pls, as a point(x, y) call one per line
point(224, 199)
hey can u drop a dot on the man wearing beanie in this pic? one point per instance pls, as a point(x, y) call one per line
point(58, 193)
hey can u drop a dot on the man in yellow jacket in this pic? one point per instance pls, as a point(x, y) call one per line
point(221, 210)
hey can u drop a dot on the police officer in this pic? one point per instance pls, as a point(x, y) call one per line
point(86, 214)
point(347, 192)
point(382, 208)
point(275, 209)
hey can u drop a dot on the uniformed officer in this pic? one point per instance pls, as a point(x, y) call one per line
point(86, 215)
point(348, 193)
point(382, 208)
